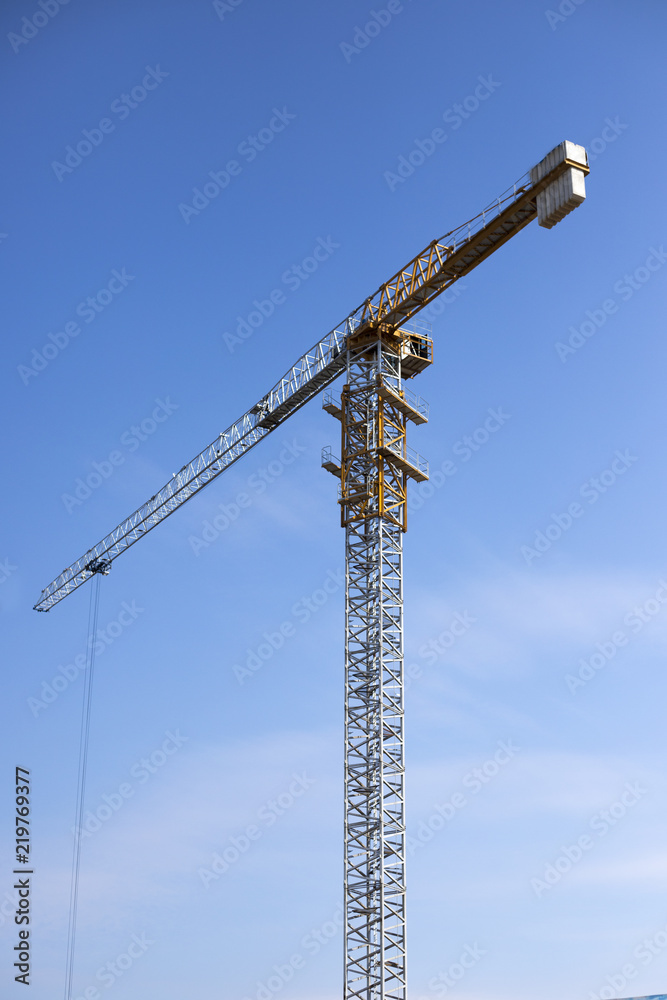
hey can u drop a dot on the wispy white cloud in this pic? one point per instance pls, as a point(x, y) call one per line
point(151, 849)
point(541, 784)
point(648, 868)
point(518, 611)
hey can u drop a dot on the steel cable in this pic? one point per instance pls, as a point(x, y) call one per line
point(84, 737)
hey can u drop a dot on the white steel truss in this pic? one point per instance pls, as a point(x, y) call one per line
point(375, 959)
point(315, 370)
point(374, 865)
point(428, 274)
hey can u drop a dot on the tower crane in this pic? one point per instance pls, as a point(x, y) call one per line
point(377, 348)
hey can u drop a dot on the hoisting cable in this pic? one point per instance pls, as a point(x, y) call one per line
point(81, 782)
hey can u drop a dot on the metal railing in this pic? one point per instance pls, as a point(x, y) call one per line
point(328, 458)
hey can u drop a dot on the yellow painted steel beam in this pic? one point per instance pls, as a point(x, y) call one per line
point(442, 263)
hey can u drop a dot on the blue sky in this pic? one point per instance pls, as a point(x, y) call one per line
point(536, 795)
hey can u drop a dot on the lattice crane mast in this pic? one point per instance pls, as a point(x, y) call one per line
point(377, 348)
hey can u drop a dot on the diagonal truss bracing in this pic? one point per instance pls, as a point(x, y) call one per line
point(313, 371)
point(375, 949)
point(446, 260)
point(375, 955)
point(427, 275)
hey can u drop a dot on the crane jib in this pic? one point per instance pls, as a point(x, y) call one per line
point(550, 190)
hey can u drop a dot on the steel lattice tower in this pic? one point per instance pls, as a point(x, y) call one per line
point(373, 410)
